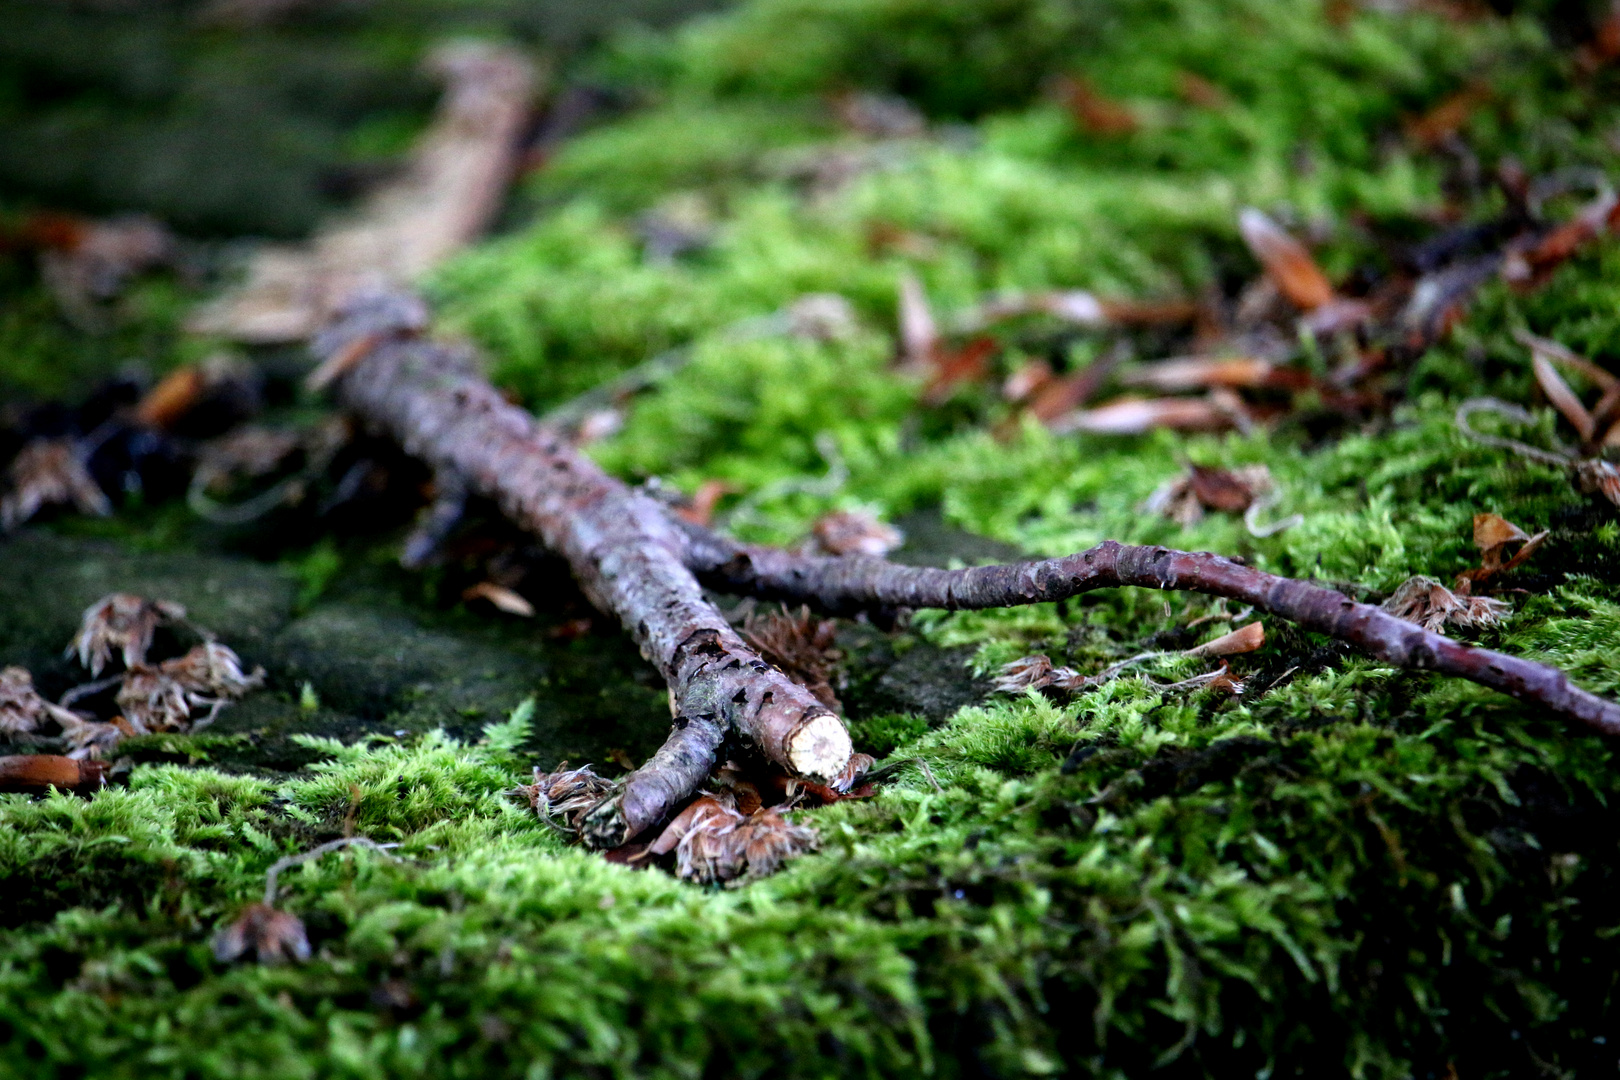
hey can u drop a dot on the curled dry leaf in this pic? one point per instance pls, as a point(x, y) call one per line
point(1429, 604)
point(123, 623)
point(38, 773)
point(1288, 264)
point(507, 600)
point(274, 936)
point(1440, 123)
point(699, 510)
point(561, 798)
point(801, 645)
point(50, 472)
point(854, 532)
point(1494, 535)
point(22, 709)
point(1242, 640)
point(1597, 427)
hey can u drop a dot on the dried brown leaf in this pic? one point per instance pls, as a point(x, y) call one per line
point(1444, 120)
point(1287, 263)
point(1242, 640)
point(1492, 532)
point(507, 600)
point(1597, 475)
point(1493, 535)
point(1093, 112)
point(1201, 373)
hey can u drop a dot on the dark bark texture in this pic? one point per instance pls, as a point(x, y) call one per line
point(849, 584)
point(626, 552)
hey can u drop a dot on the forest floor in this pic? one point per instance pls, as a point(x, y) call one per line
point(1333, 867)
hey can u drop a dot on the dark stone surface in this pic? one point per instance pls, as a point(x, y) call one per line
point(375, 664)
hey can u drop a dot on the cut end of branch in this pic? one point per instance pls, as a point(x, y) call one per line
point(820, 749)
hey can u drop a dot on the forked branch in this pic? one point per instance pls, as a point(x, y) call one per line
point(626, 552)
point(637, 560)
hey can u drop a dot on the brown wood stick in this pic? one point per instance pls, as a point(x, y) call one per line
point(849, 584)
point(626, 552)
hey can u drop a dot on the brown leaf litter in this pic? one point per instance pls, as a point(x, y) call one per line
point(1247, 490)
point(1037, 672)
point(50, 472)
point(1494, 535)
point(165, 696)
point(853, 532)
point(1598, 427)
point(1429, 604)
point(714, 842)
point(121, 623)
point(22, 709)
point(802, 645)
point(562, 797)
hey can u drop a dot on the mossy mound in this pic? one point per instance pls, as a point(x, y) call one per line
point(1346, 870)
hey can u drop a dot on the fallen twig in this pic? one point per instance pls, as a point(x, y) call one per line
point(855, 583)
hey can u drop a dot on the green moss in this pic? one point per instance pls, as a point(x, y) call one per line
point(1347, 869)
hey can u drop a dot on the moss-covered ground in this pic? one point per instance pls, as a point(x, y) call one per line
point(1346, 870)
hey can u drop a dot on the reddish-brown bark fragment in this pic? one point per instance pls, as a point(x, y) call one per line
point(38, 773)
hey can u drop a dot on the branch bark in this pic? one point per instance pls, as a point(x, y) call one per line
point(638, 561)
point(848, 584)
point(626, 552)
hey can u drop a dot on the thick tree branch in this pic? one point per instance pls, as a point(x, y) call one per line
point(849, 584)
point(626, 552)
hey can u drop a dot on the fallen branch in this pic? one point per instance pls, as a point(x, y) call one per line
point(857, 583)
point(449, 192)
point(626, 551)
point(636, 559)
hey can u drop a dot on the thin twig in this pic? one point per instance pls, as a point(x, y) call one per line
point(850, 584)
